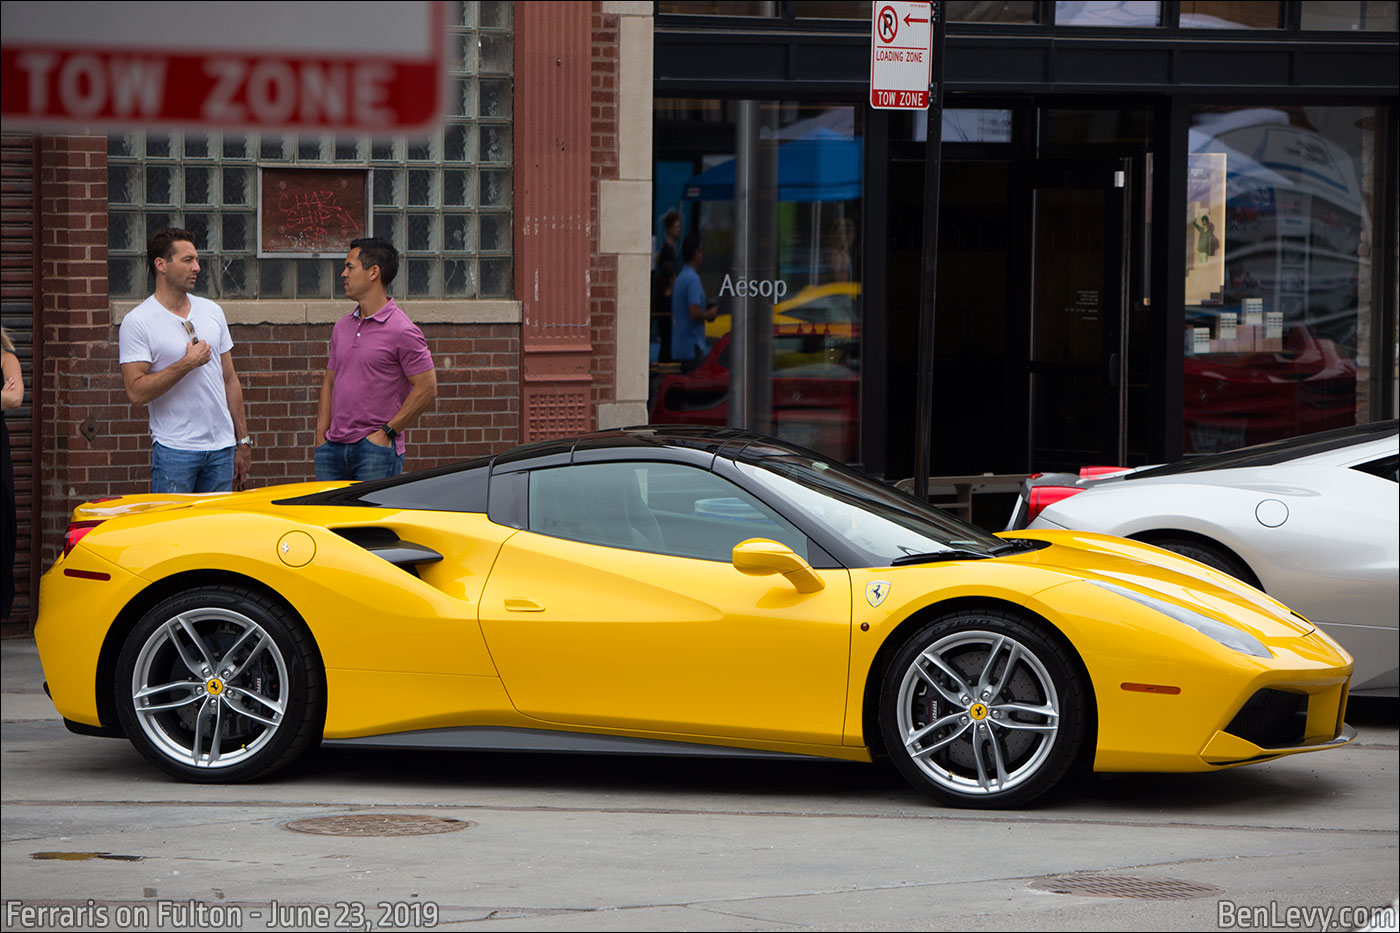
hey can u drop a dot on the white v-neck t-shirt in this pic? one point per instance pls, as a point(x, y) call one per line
point(194, 414)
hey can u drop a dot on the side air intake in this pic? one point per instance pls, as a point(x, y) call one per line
point(382, 542)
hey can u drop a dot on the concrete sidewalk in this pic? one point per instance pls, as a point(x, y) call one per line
point(22, 682)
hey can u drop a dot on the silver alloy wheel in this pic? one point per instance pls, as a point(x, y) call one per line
point(978, 712)
point(209, 688)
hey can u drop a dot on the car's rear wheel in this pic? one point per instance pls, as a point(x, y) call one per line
point(220, 684)
point(982, 709)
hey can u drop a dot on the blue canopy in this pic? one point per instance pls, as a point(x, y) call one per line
point(822, 166)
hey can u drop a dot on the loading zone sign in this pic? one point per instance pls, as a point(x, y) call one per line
point(901, 54)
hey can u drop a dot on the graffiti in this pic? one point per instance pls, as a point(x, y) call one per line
point(311, 212)
point(313, 215)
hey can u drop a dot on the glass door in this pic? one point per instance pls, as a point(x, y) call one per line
point(1079, 257)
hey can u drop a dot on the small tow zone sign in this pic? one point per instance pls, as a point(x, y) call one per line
point(901, 54)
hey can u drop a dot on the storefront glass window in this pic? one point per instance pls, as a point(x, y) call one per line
point(832, 9)
point(971, 126)
point(1075, 126)
point(1359, 15)
point(990, 11)
point(771, 192)
point(962, 125)
point(444, 201)
point(1231, 14)
point(1279, 282)
point(1108, 13)
point(718, 7)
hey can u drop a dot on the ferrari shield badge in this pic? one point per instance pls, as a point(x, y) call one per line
point(876, 592)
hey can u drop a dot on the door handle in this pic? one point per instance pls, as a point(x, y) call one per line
point(520, 604)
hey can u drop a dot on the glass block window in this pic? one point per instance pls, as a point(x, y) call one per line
point(444, 200)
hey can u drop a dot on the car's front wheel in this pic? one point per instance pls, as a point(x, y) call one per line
point(982, 709)
point(220, 684)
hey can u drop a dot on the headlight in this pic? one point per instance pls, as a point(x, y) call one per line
point(1227, 635)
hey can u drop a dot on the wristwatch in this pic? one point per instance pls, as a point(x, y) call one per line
point(389, 432)
point(246, 441)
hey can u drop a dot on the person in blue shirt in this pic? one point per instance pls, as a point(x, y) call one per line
point(689, 311)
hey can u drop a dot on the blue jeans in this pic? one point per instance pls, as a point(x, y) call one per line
point(358, 461)
point(175, 470)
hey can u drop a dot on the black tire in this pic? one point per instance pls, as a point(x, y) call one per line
point(1212, 555)
point(984, 735)
point(220, 685)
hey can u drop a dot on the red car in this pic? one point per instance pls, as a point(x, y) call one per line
point(816, 390)
point(1239, 399)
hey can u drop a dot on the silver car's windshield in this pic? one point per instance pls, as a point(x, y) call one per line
point(881, 523)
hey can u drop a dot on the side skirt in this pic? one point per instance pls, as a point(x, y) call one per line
point(486, 738)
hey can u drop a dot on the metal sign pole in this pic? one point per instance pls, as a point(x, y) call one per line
point(923, 417)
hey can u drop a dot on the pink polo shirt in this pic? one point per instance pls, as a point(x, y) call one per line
point(372, 358)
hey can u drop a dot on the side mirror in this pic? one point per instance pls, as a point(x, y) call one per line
point(759, 557)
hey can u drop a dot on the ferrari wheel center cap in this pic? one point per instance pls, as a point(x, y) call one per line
point(215, 686)
point(977, 711)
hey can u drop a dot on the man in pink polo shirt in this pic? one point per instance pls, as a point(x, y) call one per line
point(379, 377)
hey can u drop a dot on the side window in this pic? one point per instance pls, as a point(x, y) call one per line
point(664, 508)
point(1385, 468)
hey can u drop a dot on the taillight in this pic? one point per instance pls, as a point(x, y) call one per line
point(1043, 496)
point(76, 530)
point(1089, 472)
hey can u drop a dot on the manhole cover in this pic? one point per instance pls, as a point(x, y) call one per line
point(1155, 889)
point(378, 824)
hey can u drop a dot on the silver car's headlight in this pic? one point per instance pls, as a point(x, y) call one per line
point(1229, 636)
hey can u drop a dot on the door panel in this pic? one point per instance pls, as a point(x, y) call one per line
point(635, 640)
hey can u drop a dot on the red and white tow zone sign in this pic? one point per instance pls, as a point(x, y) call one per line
point(901, 56)
point(349, 66)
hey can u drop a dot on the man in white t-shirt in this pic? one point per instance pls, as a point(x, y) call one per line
point(177, 360)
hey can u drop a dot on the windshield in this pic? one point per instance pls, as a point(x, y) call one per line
point(879, 522)
point(1293, 448)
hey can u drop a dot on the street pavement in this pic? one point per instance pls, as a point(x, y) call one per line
point(95, 838)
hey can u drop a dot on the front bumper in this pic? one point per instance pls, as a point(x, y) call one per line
point(1222, 749)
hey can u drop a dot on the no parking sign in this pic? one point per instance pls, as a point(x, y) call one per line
point(901, 54)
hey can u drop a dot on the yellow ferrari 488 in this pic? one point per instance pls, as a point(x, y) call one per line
point(663, 590)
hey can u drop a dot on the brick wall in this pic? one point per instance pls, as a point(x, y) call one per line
point(602, 304)
point(81, 384)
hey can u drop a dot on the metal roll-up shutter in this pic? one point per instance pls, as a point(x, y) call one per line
point(17, 311)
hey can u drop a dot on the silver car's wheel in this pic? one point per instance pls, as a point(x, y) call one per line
point(982, 710)
point(219, 685)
